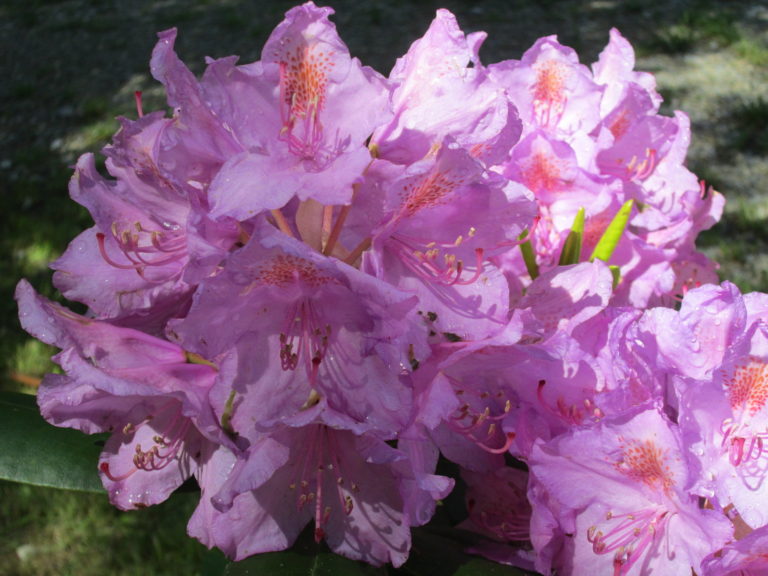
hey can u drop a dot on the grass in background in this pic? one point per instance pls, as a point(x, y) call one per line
point(50, 532)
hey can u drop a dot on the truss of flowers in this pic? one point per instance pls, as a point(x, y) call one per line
point(311, 282)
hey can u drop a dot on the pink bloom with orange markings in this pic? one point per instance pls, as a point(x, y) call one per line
point(631, 511)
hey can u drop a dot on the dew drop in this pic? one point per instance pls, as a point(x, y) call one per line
point(171, 226)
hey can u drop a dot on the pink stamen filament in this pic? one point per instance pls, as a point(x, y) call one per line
point(467, 422)
point(321, 448)
point(550, 108)
point(641, 169)
point(425, 262)
point(336, 231)
point(304, 336)
point(139, 107)
point(735, 439)
point(508, 524)
point(525, 236)
point(282, 223)
point(130, 244)
point(630, 539)
point(164, 450)
point(570, 414)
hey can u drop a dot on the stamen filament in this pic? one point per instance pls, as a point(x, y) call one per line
point(336, 232)
point(282, 223)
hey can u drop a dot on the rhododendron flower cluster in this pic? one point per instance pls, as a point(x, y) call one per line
point(311, 282)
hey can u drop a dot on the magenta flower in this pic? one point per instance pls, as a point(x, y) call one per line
point(435, 224)
point(627, 499)
point(347, 484)
point(311, 287)
point(316, 324)
point(442, 90)
point(747, 556)
point(144, 390)
point(293, 124)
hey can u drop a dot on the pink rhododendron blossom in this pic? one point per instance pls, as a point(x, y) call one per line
point(442, 90)
point(332, 297)
point(633, 514)
point(145, 391)
point(745, 557)
point(347, 484)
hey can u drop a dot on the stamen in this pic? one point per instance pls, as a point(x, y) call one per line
point(166, 446)
point(423, 259)
point(136, 243)
point(139, 107)
point(322, 456)
point(630, 539)
point(479, 425)
point(282, 223)
point(303, 336)
point(336, 232)
point(641, 169)
point(571, 414)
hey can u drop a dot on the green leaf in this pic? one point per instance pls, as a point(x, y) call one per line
point(528, 256)
point(571, 252)
point(616, 273)
point(35, 452)
point(610, 238)
point(306, 558)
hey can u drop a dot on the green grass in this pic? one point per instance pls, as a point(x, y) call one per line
point(48, 532)
point(750, 126)
point(704, 24)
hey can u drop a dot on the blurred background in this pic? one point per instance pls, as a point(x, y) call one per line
point(69, 67)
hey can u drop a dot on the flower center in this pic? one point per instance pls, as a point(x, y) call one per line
point(571, 414)
point(436, 262)
point(303, 85)
point(165, 446)
point(542, 172)
point(549, 96)
point(644, 461)
point(431, 190)
point(304, 337)
point(479, 417)
point(285, 269)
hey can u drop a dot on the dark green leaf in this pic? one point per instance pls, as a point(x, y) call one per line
point(35, 452)
point(530, 259)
